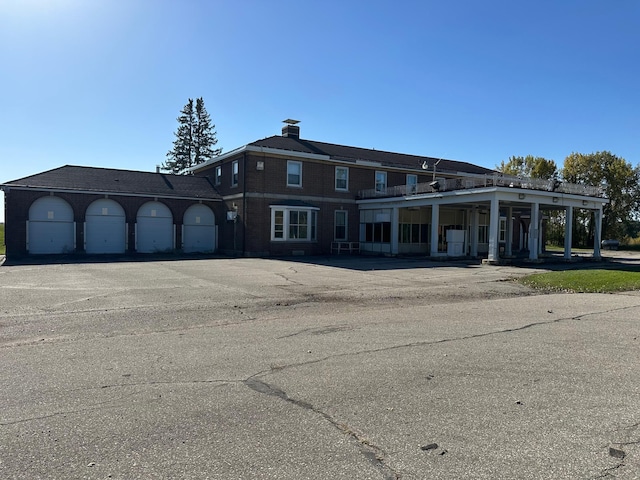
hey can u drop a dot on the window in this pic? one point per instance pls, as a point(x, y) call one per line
point(294, 174)
point(381, 182)
point(340, 232)
point(502, 236)
point(234, 173)
point(342, 178)
point(412, 183)
point(293, 224)
point(218, 174)
point(375, 226)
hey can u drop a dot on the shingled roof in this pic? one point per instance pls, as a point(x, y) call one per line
point(353, 154)
point(108, 180)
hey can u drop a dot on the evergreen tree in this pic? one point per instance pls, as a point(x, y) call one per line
point(205, 136)
point(195, 139)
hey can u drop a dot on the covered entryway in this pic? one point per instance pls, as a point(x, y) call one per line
point(154, 228)
point(51, 228)
point(199, 229)
point(105, 230)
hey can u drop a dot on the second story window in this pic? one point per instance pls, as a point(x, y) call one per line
point(234, 173)
point(412, 183)
point(294, 174)
point(381, 182)
point(218, 174)
point(342, 178)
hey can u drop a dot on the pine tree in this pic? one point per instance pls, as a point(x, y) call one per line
point(195, 139)
point(205, 136)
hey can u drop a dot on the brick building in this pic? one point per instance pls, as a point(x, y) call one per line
point(284, 195)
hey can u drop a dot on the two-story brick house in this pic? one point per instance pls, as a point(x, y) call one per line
point(284, 195)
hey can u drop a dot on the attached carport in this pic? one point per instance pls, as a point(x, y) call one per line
point(496, 201)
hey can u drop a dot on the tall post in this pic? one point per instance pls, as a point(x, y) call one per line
point(568, 232)
point(435, 221)
point(395, 221)
point(475, 220)
point(494, 226)
point(597, 237)
point(533, 231)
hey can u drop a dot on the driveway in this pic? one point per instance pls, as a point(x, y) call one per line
point(354, 368)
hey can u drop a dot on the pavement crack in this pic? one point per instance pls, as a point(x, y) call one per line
point(374, 454)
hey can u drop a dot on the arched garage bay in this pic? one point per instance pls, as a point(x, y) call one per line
point(105, 227)
point(199, 229)
point(51, 226)
point(154, 228)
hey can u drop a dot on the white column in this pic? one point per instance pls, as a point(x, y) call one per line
point(494, 227)
point(395, 220)
point(597, 234)
point(466, 227)
point(475, 220)
point(540, 235)
point(509, 233)
point(435, 220)
point(533, 231)
point(568, 232)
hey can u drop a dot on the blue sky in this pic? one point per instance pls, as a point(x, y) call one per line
point(101, 82)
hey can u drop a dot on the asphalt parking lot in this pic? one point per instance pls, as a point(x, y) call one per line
point(354, 368)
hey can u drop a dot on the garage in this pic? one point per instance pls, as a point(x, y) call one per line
point(154, 228)
point(51, 228)
point(105, 227)
point(199, 229)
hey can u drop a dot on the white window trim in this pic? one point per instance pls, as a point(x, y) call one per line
point(346, 189)
point(375, 181)
point(294, 162)
point(235, 166)
point(346, 225)
point(218, 178)
point(285, 234)
point(412, 187)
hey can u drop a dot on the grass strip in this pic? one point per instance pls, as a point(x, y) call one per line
point(585, 281)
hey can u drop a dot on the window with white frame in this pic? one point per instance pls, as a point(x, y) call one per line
point(294, 174)
point(502, 233)
point(340, 226)
point(412, 183)
point(294, 223)
point(381, 182)
point(234, 173)
point(218, 179)
point(342, 178)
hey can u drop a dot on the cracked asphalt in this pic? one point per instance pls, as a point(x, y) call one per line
point(354, 368)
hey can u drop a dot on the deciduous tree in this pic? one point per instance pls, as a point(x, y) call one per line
point(529, 166)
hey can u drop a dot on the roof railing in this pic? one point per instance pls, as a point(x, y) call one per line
point(480, 181)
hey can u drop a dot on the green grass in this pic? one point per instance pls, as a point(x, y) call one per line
point(585, 281)
point(2, 248)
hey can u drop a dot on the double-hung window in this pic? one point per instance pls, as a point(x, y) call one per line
point(294, 223)
point(381, 182)
point(234, 173)
point(342, 179)
point(218, 179)
point(412, 183)
point(340, 233)
point(294, 174)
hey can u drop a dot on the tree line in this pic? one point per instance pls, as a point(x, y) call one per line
point(617, 178)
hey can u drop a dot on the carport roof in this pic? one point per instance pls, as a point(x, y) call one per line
point(108, 180)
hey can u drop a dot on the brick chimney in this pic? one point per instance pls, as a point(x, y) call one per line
point(291, 129)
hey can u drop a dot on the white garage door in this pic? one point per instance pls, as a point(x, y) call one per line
point(51, 227)
point(154, 228)
point(199, 229)
point(105, 227)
